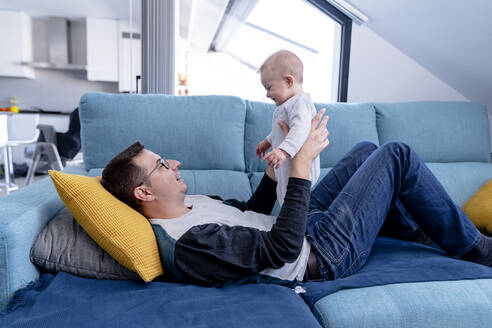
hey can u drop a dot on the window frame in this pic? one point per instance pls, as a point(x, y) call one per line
point(346, 39)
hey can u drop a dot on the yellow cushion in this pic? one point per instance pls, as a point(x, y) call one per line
point(120, 230)
point(479, 208)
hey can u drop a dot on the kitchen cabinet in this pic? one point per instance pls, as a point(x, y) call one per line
point(16, 38)
point(95, 44)
point(129, 57)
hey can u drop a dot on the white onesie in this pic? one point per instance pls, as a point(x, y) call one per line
point(297, 112)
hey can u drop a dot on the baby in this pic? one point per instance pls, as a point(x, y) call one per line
point(281, 75)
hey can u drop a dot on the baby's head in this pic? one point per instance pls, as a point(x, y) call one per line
point(281, 75)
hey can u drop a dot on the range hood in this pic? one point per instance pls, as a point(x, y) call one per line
point(51, 44)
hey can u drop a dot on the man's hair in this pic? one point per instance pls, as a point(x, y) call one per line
point(284, 62)
point(121, 176)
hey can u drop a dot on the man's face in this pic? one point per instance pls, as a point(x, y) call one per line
point(163, 182)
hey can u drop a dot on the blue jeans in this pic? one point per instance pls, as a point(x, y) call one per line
point(370, 185)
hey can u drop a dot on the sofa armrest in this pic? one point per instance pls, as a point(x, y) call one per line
point(24, 214)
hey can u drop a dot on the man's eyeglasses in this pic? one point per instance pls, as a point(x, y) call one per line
point(160, 162)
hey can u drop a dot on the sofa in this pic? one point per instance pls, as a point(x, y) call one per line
point(214, 138)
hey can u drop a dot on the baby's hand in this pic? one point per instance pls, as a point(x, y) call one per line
point(276, 157)
point(262, 148)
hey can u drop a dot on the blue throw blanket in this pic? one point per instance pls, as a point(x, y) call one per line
point(394, 261)
point(68, 301)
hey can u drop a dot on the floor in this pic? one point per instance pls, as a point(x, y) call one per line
point(20, 181)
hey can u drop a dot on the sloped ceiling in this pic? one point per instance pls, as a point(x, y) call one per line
point(450, 38)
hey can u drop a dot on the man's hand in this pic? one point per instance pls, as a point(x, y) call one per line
point(285, 128)
point(316, 141)
point(276, 157)
point(271, 173)
point(262, 148)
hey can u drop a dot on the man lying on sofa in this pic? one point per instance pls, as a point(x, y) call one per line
point(320, 235)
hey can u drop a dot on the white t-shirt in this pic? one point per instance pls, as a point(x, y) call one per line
point(207, 210)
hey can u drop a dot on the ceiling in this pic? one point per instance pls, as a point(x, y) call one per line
point(451, 39)
point(113, 9)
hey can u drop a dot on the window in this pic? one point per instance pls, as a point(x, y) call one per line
point(245, 33)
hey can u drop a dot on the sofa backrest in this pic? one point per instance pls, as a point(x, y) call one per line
point(348, 124)
point(203, 132)
point(437, 131)
point(221, 132)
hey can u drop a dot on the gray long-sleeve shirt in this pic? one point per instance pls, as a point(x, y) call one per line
point(297, 112)
point(211, 253)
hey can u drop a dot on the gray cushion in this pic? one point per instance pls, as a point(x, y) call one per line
point(64, 246)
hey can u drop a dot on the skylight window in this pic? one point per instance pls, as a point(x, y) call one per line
point(271, 25)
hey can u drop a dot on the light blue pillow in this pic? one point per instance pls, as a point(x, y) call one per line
point(202, 132)
point(348, 125)
point(437, 131)
point(226, 184)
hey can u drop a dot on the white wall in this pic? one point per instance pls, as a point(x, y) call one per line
point(380, 72)
point(51, 90)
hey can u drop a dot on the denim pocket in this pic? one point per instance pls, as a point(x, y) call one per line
point(353, 266)
point(331, 231)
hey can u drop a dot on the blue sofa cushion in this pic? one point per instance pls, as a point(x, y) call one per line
point(461, 180)
point(410, 265)
point(348, 125)
point(258, 125)
point(255, 178)
point(426, 304)
point(394, 261)
point(32, 207)
point(226, 184)
point(438, 131)
point(202, 132)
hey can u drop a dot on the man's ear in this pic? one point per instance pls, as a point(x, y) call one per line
point(289, 79)
point(142, 193)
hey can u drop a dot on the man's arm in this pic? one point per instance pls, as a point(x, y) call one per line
point(213, 253)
